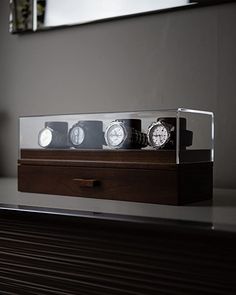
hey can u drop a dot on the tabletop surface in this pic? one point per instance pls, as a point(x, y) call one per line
point(218, 214)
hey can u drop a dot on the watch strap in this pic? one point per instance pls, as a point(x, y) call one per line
point(135, 140)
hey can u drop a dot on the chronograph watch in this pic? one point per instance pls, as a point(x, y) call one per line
point(162, 134)
point(125, 134)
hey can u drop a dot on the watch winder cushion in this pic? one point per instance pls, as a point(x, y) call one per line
point(93, 136)
point(54, 135)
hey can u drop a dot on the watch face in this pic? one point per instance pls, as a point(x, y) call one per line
point(115, 135)
point(77, 135)
point(45, 137)
point(158, 135)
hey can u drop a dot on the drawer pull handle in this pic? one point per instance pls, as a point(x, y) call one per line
point(86, 182)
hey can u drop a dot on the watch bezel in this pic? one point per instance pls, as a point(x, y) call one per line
point(120, 124)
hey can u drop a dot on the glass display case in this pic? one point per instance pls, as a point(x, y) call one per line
point(187, 134)
point(140, 142)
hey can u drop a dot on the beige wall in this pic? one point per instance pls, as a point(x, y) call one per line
point(176, 59)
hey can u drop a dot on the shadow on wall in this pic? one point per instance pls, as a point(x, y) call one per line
point(4, 119)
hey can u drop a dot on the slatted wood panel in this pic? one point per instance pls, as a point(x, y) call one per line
point(42, 254)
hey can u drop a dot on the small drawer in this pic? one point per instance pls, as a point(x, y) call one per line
point(139, 185)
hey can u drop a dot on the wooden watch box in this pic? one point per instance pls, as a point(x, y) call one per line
point(159, 156)
point(140, 176)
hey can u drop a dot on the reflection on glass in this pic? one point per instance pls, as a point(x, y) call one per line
point(81, 11)
point(33, 15)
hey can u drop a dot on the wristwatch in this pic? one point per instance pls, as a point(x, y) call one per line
point(125, 134)
point(162, 134)
point(53, 135)
point(87, 135)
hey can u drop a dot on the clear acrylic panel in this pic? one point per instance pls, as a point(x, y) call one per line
point(178, 135)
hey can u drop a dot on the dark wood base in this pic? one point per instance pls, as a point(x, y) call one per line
point(139, 176)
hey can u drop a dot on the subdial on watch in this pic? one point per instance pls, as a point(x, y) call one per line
point(45, 137)
point(115, 135)
point(77, 135)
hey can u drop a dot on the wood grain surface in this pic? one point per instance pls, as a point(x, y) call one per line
point(69, 255)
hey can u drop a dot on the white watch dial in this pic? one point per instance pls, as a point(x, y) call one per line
point(115, 135)
point(158, 135)
point(77, 135)
point(45, 137)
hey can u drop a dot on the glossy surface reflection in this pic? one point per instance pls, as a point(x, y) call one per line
point(33, 15)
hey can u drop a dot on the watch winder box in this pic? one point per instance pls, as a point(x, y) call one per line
point(162, 156)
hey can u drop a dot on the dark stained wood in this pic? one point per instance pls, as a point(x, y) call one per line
point(100, 155)
point(195, 182)
point(86, 182)
point(61, 255)
point(116, 175)
point(97, 164)
point(138, 156)
point(152, 186)
point(185, 183)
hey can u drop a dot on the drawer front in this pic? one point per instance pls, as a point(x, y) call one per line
point(139, 185)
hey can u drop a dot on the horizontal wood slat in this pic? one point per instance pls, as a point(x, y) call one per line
point(120, 156)
point(49, 256)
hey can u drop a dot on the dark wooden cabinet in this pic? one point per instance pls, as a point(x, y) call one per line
point(97, 254)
